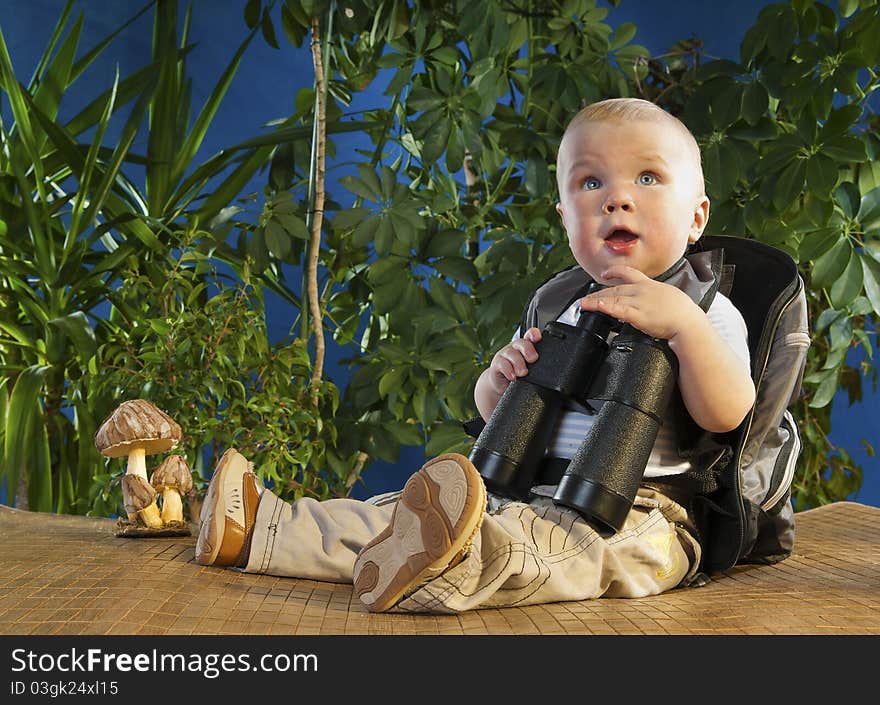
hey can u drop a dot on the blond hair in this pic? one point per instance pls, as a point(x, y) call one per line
point(636, 109)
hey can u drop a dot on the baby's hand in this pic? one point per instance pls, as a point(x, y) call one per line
point(511, 361)
point(657, 309)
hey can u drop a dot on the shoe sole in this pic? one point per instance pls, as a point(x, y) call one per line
point(435, 521)
point(212, 518)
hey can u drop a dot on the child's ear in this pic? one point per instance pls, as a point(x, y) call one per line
point(701, 217)
point(561, 214)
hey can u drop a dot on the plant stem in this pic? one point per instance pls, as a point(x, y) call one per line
point(317, 177)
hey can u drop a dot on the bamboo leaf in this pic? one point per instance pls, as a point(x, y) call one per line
point(57, 78)
point(164, 130)
point(143, 80)
point(39, 465)
point(50, 47)
point(194, 140)
point(224, 194)
point(86, 61)
point(18, 335)
point(77, 328)
point(88, 458)
point(23, 405)
point(90, 165)
point(129, 133)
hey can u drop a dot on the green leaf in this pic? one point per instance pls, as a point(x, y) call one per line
point(252, 13)
point(832, 264)
point(196, 136)
point(447, 437)
point(847, 7)
point(869, 209)
point(871, 275)
point(294, 225)
point(58, 73)
point(435, 141)
point(77, 328)
point(23, 414)
point(391, 380)
point(277, 239)
point(821, 175)
point(537, 176)
point(840, 121)
point(845, 148)
point(421, 99)
point(755, 102)
point(818, 242)
point(847, 196)
point(623, 35)
point(268, 30)
point(826, 390)
point(849, 284)
point(39, 466)
point(790, 184)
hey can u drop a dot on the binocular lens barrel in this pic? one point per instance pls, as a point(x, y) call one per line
point(603, 477)
point(605, 473)
point(509, 450)
point(510, 447)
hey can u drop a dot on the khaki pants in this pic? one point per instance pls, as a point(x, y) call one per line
point(523, 554)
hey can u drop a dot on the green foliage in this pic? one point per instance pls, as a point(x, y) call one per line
point(70, 219)
point(197, 347)
point(430, 243)
point(54, 265)
point(452, 220)
point(449, 219)
point(789, 143)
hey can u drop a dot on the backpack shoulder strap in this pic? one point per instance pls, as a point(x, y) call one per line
point(553, 296)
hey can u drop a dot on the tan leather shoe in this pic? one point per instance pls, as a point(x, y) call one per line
point(438, 515)
point(228, 513)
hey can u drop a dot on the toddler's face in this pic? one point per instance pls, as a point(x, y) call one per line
point(629, 193)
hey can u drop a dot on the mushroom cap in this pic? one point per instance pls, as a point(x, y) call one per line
point(173, 473)
point(136, 423)
point(138, 492)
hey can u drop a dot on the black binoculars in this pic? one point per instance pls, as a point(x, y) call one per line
point(626, 379)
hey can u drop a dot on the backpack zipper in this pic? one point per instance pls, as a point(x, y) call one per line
point(790, 463)
point(765, 362)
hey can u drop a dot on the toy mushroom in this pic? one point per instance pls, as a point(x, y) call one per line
point(172, 478)
point(140, 500)
point(134, 429)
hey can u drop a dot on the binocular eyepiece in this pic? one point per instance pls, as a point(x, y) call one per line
point(627, 378)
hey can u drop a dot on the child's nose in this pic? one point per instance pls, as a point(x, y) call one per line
point(618, 201)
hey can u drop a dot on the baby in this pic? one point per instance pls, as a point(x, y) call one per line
point(631, 198)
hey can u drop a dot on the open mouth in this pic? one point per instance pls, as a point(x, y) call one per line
point(620, 240)
point(621, 235)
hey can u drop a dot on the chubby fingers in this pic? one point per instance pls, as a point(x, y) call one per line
point(512, 360)
point(616, 301)
point(622, 274)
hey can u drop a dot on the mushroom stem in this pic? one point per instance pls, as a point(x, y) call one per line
point(172, 506)
point(137, 463)
point(126, 499)
point(150, 516)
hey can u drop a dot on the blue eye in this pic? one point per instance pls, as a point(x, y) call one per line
point(647, 179)
point(591, 184)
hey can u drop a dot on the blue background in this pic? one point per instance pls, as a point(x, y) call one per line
point(265, 88)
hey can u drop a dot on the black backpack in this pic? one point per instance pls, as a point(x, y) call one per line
point(742, 478)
